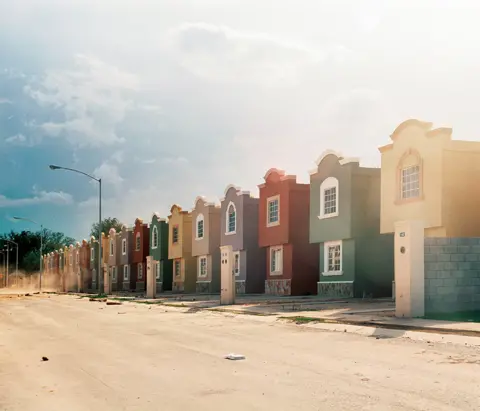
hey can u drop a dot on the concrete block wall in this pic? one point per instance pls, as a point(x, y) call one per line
point(452, 275)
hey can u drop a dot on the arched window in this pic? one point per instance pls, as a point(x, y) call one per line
point(409, 176)
point(154, 237)
point(329, 198)
point(231, 219)
point(200, 226)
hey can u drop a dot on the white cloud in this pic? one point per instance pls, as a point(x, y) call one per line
point(109, 173)
point(5, 101)
point(40, 197)
point(19, 140)
point(92, 98)
point(175, 161)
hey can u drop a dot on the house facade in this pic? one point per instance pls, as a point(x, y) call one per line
point(283, 223)
point(93, 255)
point(85, 272)
point(126, 258)
point(105, 256)
point(162, 266)
point(239, 228)
point(180, 250)
point(141, 248)
point(355, 259)
point(206, 245)
point(427, 176)
point(114, 260)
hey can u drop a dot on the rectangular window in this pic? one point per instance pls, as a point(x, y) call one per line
point(111, 248)
point(175, 234)
point(411, 182)
point(94, 275)
point(276, 260)
point(92, 254)
point(124, 246)
point(125, 273)
point(273, 210)
point(200, 229)
point(77, 257)
point(137, 242)
point(114, 274)
point(70, 259)
point(202, 267)
point(178, 269)
point(140, 271)
point(157, 276)
point(333, 258)
point(330, 201)
point(236, 263)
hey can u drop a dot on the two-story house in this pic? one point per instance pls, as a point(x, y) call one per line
point(239, 229)
point(85, 274)
point(355, 259)
point(141, 248)
point(93, 255)
point(206, 245)
point(427, 176)
point(125, 259)
point(283, 222)
point(105, 256)
point(61, 267)
point(180, 250)
point(162, 266)
point(114, 260)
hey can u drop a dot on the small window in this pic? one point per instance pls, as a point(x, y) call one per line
point(411, 182)
point(231, 219)
point(200, 226)
point(94, 275)
point(175, 234)
point(77, 257)
point(276, 260)
point(273, 211)
point(124, 246)
point(333, 258)
point(236, 263)
point(157, 276)
point(114, 274)
point(140, 271)
point(70, 259)
point(329, 198)
point(137, 242)
point(154, 237)
point(92, 254)
point(111, 247)
point(202, 270)
point(178, 269)
point(125, 272)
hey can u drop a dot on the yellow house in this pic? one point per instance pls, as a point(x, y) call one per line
point(425, 175)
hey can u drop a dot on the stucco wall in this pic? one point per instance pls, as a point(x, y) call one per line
point(452, 275)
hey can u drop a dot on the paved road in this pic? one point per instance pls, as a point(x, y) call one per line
point(140, 357)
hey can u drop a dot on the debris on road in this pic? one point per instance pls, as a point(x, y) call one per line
point(114, 303)
point(44, 359)
point(100, 300)
point(234, 357)
point(121, 312)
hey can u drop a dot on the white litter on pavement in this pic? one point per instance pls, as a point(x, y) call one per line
point(235, 357)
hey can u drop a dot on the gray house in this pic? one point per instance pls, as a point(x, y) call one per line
point(206, 245)
point(355, 259)
point(239, 228)
point(113, 259)
point(125, 257)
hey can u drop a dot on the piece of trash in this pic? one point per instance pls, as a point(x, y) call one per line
point(44, 359)
point(27, 295)
point(114, 303)
point(121, 313)
point(234, 357)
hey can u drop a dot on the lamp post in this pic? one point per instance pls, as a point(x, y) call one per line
point(41, 244)
point(7, 250)
point(99, 181)
point(16, 262)
point(3, 268)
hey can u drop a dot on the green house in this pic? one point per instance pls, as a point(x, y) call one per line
point(355, 259)
point(162, 266)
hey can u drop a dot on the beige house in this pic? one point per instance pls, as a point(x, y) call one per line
point(180, 250)
point(427, 176)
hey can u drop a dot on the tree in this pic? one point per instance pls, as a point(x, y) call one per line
point(29, 246)
point(107, 224)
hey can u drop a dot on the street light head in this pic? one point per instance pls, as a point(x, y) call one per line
point(53, 167)
point(17, 218)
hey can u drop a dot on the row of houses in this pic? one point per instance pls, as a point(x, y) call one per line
point(332, 237)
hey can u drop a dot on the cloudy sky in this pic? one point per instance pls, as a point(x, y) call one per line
point(169, 99)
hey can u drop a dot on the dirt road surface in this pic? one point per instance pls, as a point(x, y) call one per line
point(141, 357)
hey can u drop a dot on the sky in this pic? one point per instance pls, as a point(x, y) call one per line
point(166, 100)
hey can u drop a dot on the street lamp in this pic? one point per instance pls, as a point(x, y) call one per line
point(41, 244)
point(3, 269)
point(99, 181)
point(16, 263)
point(7, 249)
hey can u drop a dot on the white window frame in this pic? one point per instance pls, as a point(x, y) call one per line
point(126, 272)
point(227, 219)
point(179, 262)
point(138, 242)
point(277, 270)
point(200, 259)
point(326, 248)
point(124, 246)
point(175, 227)
point(114, 273)
point(270, 200)
point(236, 270)
point(140, 271)
point(328, 184)
point(403, 191)
point(154, 237)
point(112, 247)
point(200, 219)
point(92, 253)
point(157, 271)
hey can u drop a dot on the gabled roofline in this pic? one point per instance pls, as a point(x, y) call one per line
point(157, 215)
point(426, 126)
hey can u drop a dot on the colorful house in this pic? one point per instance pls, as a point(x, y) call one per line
point(206, 245)
point(126, 258)
point(428, 176)
point(114, 260)
point(239, 228)
point(141, 248)
point(61, 268)
point(180, 250)
point(283, 223)
point(162, 266)
point(105, 256)
point(355, 259)
point(93, 256)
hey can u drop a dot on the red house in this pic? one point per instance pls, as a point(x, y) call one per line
point(283, 224)
point(141, 248)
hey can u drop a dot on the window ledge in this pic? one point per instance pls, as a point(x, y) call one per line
point(273, 224)
point(323, 217)
point(400, 201)
point(230, 233)
point(276, 272)
point(331, 273)
point(153, 248)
